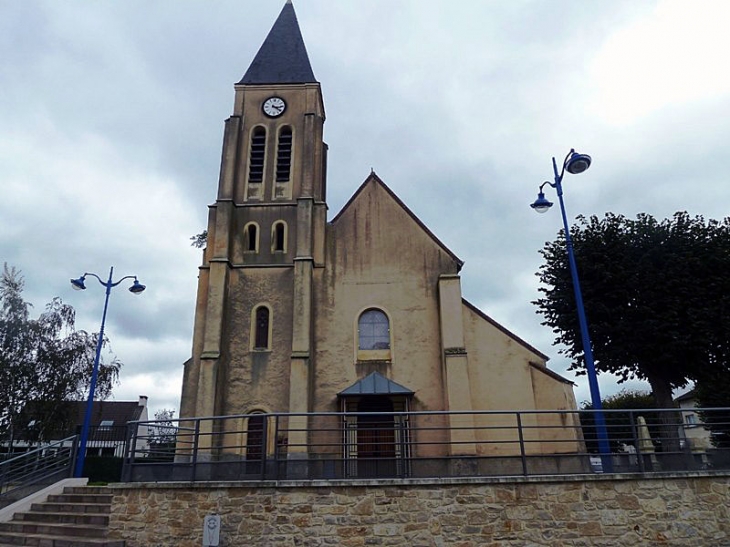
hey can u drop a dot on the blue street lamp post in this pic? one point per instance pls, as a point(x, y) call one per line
point(577, 163)
point(78, 284)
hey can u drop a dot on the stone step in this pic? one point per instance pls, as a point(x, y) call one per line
point(74, 517)
point(20, 527)
point(79, 517)
point(42, 540)
point(80, 498)
point(86, 490)
point(88, 508)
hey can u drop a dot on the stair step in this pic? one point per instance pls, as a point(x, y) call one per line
point(44, 540)
point(79, 517)
point(80, 498)
point(93, 519)
point(86, 490)
point(59, 529)
point(88, 508)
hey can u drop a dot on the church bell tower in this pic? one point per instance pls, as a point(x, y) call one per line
point(252, 342)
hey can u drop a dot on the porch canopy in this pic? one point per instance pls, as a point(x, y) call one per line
point(375, 384)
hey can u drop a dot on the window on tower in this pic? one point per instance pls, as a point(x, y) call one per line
point(278, 237)
point(257, 156)
point(283, 155)
point(261, 328)
point(251, 237)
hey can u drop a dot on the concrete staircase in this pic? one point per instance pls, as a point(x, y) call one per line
point(78, 517)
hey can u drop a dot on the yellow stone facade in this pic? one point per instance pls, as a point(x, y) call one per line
point(282, 292)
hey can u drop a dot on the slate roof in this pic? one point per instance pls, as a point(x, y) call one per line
point(118, 412)
point(282, 58)
point(375, 384)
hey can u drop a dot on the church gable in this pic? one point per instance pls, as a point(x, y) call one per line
point(375, 229)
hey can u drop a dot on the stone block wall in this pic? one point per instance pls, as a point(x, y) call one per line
point(586, 511)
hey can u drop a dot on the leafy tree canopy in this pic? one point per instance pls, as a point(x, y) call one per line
point(43, 362)
point(656, 294)
point(626, 399)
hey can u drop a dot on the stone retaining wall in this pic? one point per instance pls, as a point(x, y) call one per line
point(688, 509)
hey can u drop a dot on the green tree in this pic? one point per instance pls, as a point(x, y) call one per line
point(657, 299)
point(43, 362)
point(656, 294)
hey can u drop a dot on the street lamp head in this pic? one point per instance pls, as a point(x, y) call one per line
point(541, 204)
point(78, 284)
point(136, 287)
point(577, 163)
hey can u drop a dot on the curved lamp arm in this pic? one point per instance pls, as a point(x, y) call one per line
point(80, 283)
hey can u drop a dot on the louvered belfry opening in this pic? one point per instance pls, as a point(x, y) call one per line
point(257, 155)
point(283, 159)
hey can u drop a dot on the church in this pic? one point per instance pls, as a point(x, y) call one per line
point(347, 325)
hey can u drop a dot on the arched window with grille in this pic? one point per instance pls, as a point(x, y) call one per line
point(284, 154)
point(373, 330)
point(374, 336)
point(257, 155)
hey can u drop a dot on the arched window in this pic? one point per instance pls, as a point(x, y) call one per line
point(283, 155)
point(278, 237)
point(257, 155)
point(261, 328)
point(251, 237)
point(373, 330)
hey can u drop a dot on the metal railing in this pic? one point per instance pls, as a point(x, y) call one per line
point(30, 471)
point(351, 445)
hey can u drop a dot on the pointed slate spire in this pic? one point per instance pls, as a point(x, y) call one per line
point(282, 58)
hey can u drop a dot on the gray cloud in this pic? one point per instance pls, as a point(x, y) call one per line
point(111, 127)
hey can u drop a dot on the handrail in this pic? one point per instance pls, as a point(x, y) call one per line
point(30, 471)
point(321, 445)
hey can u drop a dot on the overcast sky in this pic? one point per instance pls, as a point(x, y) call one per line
point(111, 124)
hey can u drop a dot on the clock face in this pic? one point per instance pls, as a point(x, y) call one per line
point(274, 106)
